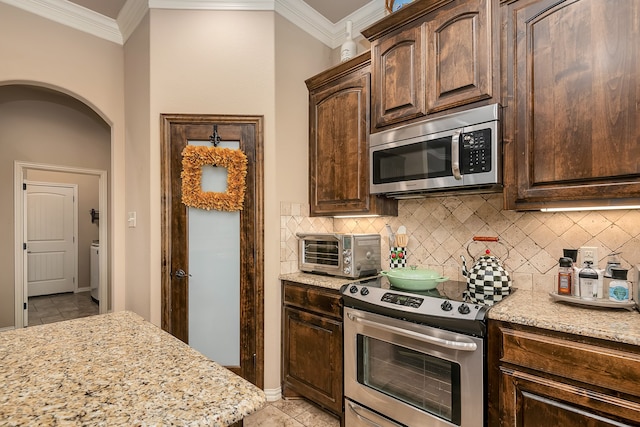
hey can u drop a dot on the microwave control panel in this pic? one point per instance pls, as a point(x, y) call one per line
point(475, 153)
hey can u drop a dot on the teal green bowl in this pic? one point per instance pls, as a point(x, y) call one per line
point(414, 279)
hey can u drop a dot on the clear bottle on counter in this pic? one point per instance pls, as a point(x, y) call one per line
point(565, 276)
point(573, 255)
point(588, 281)
point(619, 286)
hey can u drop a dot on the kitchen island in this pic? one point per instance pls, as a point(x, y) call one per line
point(111, 370)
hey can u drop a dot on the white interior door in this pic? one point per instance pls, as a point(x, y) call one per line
point(50, 226)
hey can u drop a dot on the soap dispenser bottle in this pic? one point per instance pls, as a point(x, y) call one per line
point(588, 281)
point(619, 286)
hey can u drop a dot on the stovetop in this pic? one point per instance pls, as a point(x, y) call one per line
point(446, 307)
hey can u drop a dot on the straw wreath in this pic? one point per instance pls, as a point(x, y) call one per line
point(194, 157)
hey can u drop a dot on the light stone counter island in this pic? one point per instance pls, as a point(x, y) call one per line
point(115, 370)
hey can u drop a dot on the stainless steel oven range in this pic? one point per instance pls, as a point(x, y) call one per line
point(413, 358)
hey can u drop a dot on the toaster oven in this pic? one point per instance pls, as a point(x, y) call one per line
point(335, 254)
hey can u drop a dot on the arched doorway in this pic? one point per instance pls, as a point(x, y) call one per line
point(41, 126)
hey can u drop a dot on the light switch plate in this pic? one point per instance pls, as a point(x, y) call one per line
point(131, 219)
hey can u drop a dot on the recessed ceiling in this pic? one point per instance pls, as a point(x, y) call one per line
point(333, 10)
point(109, 8)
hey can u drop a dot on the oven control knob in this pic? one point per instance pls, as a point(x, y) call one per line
point(464, 309)
point(353, 289)
point(364, 291)
point(446, 306)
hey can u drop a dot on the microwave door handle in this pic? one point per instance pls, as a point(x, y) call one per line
point(453, 345)
point(455, 154)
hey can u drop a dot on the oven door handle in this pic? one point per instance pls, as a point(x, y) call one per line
point(453, 345)
point(455, 154)
point(354, 408)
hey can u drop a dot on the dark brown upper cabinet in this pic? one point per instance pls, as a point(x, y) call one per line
point(459, 55)
point(339, 108)
point(571, 89)
point(430, 56)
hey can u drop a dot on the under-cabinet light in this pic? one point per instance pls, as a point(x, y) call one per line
point(589, 208)
point(356, 216)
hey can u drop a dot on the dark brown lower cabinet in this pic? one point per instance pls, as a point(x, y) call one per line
point(312, 345)
point(544, 378)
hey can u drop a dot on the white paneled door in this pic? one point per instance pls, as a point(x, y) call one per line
point(50, 238)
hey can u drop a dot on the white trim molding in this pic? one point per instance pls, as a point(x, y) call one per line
point(118, 31)
point(72, 15)
point(273, 394)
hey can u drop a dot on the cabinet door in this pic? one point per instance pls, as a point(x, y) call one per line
point(459, 55)
point(532, 401)
point(312, 357)
point(338, 153)
point(338, 150)
point(398, 69)
point(572, 94)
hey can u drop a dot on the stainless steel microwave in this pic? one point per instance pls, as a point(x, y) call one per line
point(335, 254)
point(459, 151)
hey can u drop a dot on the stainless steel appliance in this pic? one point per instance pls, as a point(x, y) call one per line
point(458, 151)
point(413, 358)
point(345, 255)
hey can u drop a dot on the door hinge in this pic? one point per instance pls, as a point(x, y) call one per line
point(24, 246)
point(24, 185)
point(24, 305)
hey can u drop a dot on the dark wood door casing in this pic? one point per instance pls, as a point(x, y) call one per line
point(176, 131)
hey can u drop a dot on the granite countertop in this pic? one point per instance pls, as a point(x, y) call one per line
point(542, 311)
point(115, 369)
point(537, 309)
point(328, 282)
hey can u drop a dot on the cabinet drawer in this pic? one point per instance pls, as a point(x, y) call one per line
point(324, 301)
point(601, 366)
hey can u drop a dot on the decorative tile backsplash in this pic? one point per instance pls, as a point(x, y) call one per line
point(440, 229)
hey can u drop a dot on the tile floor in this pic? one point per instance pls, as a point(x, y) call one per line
point(290, 413)
point(54, 308)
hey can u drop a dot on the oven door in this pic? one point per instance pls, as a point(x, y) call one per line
point(413, 374)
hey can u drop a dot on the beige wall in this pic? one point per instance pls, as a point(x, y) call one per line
point(294, 63)
point(208, 63)
point(42, 126)
point(41, 52)
point(139, 145)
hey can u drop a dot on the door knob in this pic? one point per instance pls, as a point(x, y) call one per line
point(181, 274)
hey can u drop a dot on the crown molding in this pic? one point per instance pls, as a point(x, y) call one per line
point(130, 16)
point(118, 31)
point(72, 15)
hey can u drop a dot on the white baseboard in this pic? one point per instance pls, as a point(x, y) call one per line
point(83, 289)
point(273, 394)
point(8, 328)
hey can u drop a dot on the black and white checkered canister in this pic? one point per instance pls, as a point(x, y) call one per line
point(488, 282)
